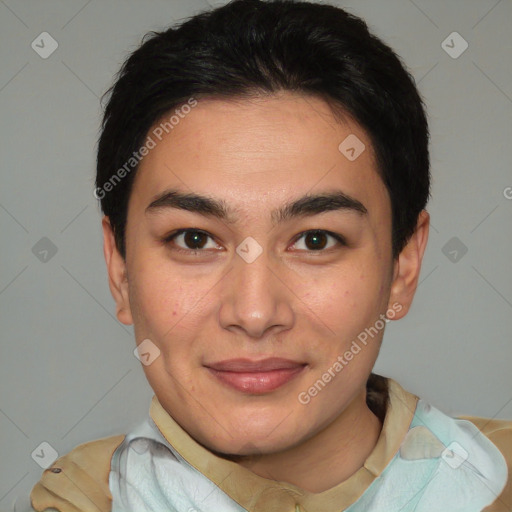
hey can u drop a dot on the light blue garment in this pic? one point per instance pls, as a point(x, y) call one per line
point(149, 475)
point(443, 465)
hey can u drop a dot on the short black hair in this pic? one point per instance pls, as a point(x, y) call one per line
point(252, 47)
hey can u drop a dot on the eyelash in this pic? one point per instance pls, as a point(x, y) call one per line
point(169, 238)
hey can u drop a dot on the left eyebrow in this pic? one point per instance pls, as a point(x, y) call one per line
point(305, 206)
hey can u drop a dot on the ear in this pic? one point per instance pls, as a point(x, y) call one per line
point(117, 278)
point(407, 267)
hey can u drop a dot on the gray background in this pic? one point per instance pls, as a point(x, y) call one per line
point(68, 374)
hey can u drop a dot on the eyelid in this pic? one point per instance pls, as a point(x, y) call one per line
point(177, 232)
point(167, 239)
point(339, 238)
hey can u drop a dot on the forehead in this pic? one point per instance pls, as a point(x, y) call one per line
point(249, 151)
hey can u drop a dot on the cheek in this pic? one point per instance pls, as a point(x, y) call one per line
point(346, 300)
point(341, 311)
point(164, 303)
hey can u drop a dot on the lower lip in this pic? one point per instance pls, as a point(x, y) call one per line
point(257, 382)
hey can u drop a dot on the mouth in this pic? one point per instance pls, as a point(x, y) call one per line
point(255, 377)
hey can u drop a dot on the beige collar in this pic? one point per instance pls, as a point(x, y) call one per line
point(258, 494)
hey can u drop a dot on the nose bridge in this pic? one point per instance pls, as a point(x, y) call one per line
point(254, 298)
point(255, 289)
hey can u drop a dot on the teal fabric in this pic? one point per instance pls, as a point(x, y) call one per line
point(444, 465)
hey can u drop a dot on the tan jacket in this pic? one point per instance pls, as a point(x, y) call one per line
point(79, 481)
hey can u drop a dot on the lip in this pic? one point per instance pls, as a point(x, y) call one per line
point(256, 377)
point(248, 365)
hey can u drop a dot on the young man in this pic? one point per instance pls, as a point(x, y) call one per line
point(264, 172)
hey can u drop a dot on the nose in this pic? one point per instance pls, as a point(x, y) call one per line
point(255, 298)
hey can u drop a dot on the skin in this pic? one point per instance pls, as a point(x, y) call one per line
point(293, 301)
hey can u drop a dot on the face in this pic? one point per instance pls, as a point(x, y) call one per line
point(255, 285)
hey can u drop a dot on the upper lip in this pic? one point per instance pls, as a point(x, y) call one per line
point(248, 365)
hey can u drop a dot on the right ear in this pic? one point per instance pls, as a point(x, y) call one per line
point(117, 278)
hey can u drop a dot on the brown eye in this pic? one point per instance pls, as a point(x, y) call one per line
point(318, 240)
point(315, 240)
point(190, 240)
point(194, 239)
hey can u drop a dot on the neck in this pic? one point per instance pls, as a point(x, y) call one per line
point(313, 465)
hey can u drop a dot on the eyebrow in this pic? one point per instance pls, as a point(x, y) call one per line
point(307, 205)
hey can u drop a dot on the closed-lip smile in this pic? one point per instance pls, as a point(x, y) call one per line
point(255, 376)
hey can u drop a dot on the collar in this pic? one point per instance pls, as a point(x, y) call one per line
point(256, 493)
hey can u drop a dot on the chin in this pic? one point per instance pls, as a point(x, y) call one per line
point(246, 448)
point(253, 442)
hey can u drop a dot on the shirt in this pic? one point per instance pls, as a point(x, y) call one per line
point(423, 461)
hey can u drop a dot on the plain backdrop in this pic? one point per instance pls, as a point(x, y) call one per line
point(68, 374)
